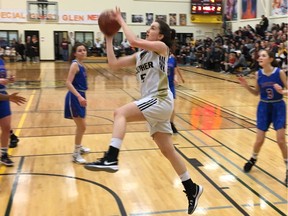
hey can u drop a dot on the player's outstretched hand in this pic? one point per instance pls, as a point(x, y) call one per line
point(242, 81)
point(17, 99)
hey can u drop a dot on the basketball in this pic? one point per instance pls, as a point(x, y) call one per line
point(107, 24)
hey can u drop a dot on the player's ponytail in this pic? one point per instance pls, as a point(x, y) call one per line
point(174, 42)
point(166, 31)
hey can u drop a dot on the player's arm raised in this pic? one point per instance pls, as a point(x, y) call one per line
point(116, 63)
point(155, 45)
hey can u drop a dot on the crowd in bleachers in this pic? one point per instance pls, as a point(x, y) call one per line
point(237, 52)
point(231, 52)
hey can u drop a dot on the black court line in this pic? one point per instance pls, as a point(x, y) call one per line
point(102, 71)
point(98, 70)
point(102, 152)
point(133, 98)
point(223, 110)
point(257, 181)
point(268, 138)
point(239, 155)
point(114, 195)
point(69, 126)
point(191, 161)
point(207, 75)
point(196, 166)
point(228, 171)
point(227, 111)
point(14, 187)
point(230, 113)
point(38, 100)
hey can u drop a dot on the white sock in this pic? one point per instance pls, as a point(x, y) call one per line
point(77, 148)
point(185, 176)
point(116, 143)
point(254, 155)
point(4, 150)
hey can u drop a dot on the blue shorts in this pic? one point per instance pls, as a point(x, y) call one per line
point(172, 89)
point(274, 112)
point(5, 109)
point(72, 108)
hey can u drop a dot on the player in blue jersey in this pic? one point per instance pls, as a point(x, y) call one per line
point(271, 107)
point(5, 115)
point(75, 101)
point(173, 72)
point(13, 138)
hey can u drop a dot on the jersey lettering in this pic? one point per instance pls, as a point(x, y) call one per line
point(144, 67)
point(162, 63)
point(270, 94)
point(143, 77)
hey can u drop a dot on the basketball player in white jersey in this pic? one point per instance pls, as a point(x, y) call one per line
point(155, 105)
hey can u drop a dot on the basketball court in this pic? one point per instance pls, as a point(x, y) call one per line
point(215, 118)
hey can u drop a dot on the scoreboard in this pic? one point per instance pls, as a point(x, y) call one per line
point(206, 7)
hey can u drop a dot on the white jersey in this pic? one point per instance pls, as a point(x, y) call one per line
point(151, 72)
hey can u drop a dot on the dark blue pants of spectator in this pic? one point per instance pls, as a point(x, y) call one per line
point(65, 54)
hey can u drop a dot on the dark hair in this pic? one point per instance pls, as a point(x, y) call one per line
point(274, 63)
point(173, 46)
point(173, 34)
point(166, 31)
point(74, 49)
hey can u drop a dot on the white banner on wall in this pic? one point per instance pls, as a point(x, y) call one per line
point(13, 15)
point(78, 17)
point(72, 17)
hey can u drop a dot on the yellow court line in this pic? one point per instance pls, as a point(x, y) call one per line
point(20, 125)
point(24, 115)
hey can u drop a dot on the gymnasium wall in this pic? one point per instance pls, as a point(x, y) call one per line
point(130, 7)
point(136, 7)
point(237, 11)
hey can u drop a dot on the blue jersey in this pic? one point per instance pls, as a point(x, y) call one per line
point(80, 79)
point(271, 108)
point(5, 109)
point(172, 64)
point(3, 73)
point(72, 107)
point(267, 91)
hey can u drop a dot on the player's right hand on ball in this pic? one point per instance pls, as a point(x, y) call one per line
point(118, 16)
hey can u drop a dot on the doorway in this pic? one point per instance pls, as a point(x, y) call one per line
point(58, 36)
point(33, 34)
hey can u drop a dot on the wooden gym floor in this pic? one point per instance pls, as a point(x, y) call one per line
point(215, 117)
